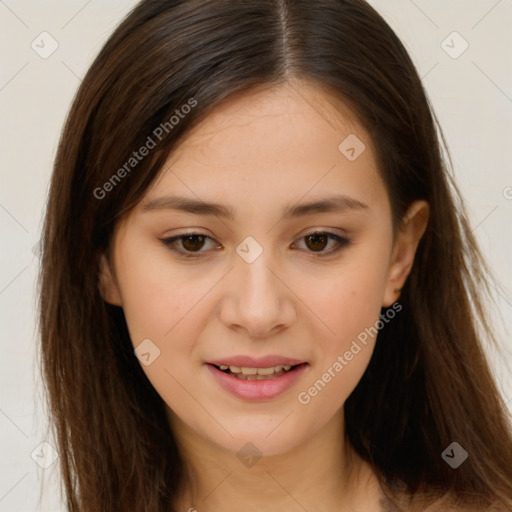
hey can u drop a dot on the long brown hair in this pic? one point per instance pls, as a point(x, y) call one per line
point(428, 383)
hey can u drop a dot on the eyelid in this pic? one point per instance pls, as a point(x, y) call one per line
point(171, 240)
point(341, 240)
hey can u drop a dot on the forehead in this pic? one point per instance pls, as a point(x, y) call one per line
point(281, 116)
point(272, 145)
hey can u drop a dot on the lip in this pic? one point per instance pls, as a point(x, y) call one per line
point(256, 362)
point(257, 390)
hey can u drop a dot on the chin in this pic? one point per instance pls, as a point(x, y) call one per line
point(260, 441)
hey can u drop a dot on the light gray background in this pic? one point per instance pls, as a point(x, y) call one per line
point(471, 94)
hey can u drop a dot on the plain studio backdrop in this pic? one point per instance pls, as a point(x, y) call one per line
point(462, 51)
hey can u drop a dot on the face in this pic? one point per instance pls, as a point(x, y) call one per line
point(266, 241)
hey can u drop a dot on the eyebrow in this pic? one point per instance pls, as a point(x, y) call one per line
point(338, 203)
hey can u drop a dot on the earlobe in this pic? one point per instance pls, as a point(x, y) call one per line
point(410, 232)
point(107, 285)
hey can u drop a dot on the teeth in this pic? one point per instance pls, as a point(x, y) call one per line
point(256, 373)
point(269, 371)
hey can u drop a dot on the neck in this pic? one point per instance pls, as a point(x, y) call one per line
point(322, 474)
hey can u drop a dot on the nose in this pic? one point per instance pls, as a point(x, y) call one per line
point(257, 299)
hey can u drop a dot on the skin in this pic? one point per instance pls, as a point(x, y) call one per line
point(258, 153)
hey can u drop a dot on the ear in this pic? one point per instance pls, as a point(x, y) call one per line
point(107, 284)
point(410, 232)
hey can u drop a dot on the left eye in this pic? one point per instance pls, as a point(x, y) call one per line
point(318, 240)
point(192, 243)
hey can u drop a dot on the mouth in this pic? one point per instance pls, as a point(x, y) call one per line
point(259, 380)
point(248, 373)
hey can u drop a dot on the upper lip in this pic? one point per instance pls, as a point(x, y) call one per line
point(257, 362)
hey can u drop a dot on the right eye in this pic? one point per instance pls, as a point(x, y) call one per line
point(191, 244)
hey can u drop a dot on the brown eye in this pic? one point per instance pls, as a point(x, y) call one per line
point(317, 241)
point(193, 242)
point(189, 245)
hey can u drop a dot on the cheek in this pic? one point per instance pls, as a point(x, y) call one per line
point(157, 295)
point(347, 298)
point(349, 303)
point(166, 307)
point(341, 359)
point(162, 307)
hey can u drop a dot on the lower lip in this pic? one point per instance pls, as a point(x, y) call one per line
point(257, 389)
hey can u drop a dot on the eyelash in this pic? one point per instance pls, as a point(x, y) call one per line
point(341, 241)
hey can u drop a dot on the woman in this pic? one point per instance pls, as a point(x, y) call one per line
point(257, 291)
